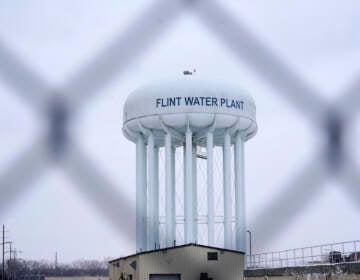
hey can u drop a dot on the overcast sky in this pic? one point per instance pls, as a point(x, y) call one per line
point(319, 40)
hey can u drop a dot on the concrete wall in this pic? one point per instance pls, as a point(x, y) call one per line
point(318, 272)
point(309, 277)
point(76, 278)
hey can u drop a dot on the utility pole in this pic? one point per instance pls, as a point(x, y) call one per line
point(250, 245)
point(15, 255)
point(14, 268)
point(10, 262)
point(9, 265)
point(3, 253)
point(56, 260)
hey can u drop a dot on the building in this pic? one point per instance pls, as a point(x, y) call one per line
point(189, 262)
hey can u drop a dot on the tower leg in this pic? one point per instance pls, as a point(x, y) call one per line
point(239, 194)
point(227, 191)
point(152, 192)
point(188, 191)
point(169, 191)
point(156, 198)
point(210, 188)
point(141, 195)
point(194, 177)
point(173, 207)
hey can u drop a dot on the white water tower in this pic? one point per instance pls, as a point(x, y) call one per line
point(188, 123)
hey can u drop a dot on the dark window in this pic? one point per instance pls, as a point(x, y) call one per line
point(212, 256)
point(133, 265)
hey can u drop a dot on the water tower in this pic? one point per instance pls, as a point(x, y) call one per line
point(188, 123)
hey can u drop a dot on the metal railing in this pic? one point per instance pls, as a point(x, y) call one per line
point(315, 255)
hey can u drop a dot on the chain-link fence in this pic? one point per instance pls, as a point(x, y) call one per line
point(57, 147)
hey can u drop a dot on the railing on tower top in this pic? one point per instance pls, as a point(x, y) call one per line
point(315, 255)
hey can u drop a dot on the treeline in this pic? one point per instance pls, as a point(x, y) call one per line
point(33, 269)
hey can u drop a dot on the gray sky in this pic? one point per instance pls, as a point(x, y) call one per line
point(320, 41)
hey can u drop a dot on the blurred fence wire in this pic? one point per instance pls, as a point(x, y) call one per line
point(58, 110)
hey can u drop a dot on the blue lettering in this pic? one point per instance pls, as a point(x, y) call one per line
point(196, 101)
point(227, 104)
point(158, 101)
point(178, 100)
point(189, 101)
point(172, 101)
point(208, 101)
point(222, 101)
point(239, 104)
point(214, 101)
point(200, 101)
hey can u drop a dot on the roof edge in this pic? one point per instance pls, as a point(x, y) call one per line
point(177, 247)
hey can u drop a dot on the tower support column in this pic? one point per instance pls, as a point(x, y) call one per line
point(195, 200)
point(152, 192)
point(173, 205)
point(169, 192)
point(227, 191)
point(156, 198)
point(141, 194)
point(239, 194)
point(188, 189)
point(210, 187)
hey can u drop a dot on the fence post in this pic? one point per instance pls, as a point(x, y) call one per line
point(266, 259)
point(259, 258)
point(356, 259)
point(321, 253)
point(294, 257)
point(302, 253)
point(331, 255)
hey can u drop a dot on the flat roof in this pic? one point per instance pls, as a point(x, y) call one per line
point(177, 247)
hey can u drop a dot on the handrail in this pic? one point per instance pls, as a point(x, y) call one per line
point(339, 252)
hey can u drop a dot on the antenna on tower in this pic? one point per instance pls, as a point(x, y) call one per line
point(188, 72)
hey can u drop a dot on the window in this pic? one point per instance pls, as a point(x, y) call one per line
point(133, 265)
point(212, 256)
